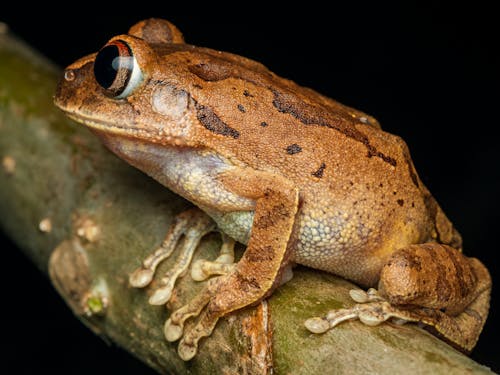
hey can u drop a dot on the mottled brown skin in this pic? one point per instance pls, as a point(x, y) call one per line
point(295, 175)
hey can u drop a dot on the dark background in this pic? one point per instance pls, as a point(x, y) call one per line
point(429, 73)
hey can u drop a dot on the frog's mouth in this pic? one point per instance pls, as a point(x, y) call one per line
point(101, 125)
point(108, 127)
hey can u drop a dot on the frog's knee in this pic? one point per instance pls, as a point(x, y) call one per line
point(429, 275)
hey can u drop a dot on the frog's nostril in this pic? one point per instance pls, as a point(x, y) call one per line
point(69, 75)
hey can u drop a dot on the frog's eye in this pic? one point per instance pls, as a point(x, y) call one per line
point(116, 69)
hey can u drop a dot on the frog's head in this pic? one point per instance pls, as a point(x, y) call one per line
point(125, 89)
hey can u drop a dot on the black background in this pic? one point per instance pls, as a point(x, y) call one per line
point(428, 72)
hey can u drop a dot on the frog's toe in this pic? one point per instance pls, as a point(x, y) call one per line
point(174, 326)
point(188, 346)
point(360, 296)
point(172, 331)
point(373, 315)
point(332, 318)
point(162, 295)
point(141, 277)
point(187, 351)
point(317, 325)
point(202, 269)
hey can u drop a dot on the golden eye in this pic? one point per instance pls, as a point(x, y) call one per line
point(116, 69)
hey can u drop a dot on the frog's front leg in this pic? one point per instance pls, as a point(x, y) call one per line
point(430, 283)
point(260, 268)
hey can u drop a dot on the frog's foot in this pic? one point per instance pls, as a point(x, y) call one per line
point(193, 225)
point(174, 326)
point(371, 310)
point(219, 296)
point(202, 269)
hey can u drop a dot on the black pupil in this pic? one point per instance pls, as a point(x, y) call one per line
point(104, 71)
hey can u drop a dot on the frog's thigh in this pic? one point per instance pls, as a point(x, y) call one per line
point(260, 268)
point(452, 290)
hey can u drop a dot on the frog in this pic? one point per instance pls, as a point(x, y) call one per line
point(295, 176)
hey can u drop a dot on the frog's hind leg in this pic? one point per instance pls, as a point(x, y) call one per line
point(193, 225)
point(450, 295)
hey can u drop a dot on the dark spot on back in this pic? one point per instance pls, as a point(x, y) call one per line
point(241, 108)
point(247, 94)
point(312, 115)
point(401, 202)
point(213, 123)
point(372, 151)
point(319, 172)
point(293, 149)
point(263, 124)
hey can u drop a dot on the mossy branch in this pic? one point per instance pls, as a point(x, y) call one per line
point(65, 198)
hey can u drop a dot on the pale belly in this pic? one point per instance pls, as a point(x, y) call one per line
point(332, 244)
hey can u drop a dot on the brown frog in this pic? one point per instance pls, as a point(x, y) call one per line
point(296, 176)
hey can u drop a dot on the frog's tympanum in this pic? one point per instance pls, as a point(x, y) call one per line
point(295, 176)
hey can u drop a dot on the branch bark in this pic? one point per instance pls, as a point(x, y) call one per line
point(88, 219)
